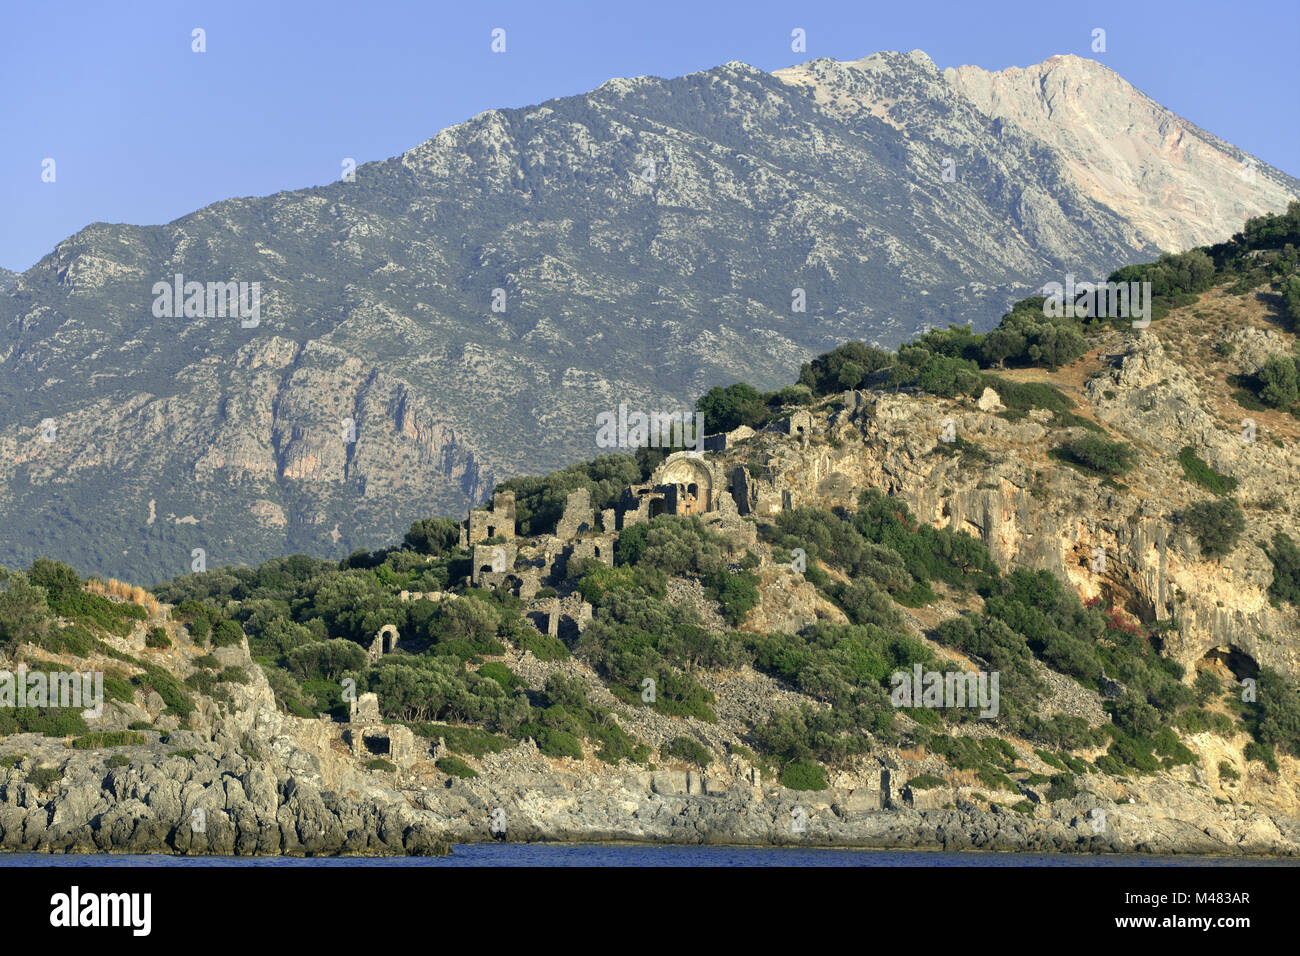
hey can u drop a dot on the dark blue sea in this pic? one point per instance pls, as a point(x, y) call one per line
point(560, 854)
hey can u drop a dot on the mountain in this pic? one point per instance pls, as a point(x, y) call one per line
point(1090, 551)
point(1179, 185)
point(7, 279)
point(467, 309)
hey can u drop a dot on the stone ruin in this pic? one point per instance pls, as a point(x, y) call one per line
point(493, 563)
point(685, 483)
point(497, 523)
point(384, 643)
point(369, 736)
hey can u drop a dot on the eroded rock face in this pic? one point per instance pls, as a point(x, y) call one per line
point(1031, 511)
point(1177, 185)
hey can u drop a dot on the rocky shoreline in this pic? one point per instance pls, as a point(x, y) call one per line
point(236, 806)
point(244, 779)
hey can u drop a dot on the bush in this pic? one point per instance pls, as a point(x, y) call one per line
point(689, 750)
point(326, 659)
point(43, 778)
point(842, 368)
point(803, 775)
point(1206, 687)
point(109, 738)
point(227, 633)
point(1100, 455)
point(1216, 525)
point(926, 781)
point(455, 767)
point(433, 536)
point(1278, 382)
point(173, 693)
point(379, 763)
point(1063, 787)
point(1285, 556)
point(731, 407)
point(157, 638)
point(24, 614)
point(1199, 472)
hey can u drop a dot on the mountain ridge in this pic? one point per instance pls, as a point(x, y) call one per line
point(647, 238)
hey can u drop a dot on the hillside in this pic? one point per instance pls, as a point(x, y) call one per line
point(704, 647)
point(647, 240)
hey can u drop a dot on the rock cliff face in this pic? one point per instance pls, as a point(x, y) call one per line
point(1176, 184)
point(1034, 512)
point(461, 313)
point(239, 779)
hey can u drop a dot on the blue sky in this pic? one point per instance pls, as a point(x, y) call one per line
point(143, 130)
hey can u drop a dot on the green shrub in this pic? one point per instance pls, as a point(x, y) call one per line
point(1216, 525)
point(43, 778)
point(1285, 556)
point(926, 781)
point(1063, 787)
point(503, 675)
point(178, 701)
point(689, 750)
point(379, 763)
point(731, 407)
point(1024, 807)
point(1262, 753)
point(1278, 382)
point(803, 775)
point(233, 675)
point(118, 760)
point(49, 721)
point(1050, 759)
point(1206, 686)
point(1199, 472)
point(1227, 771)
point(157, 638)
point(227, 634)
point(1100, 455)
point(455, 767)
point(109, 738)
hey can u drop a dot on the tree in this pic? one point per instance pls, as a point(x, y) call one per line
point(24, 615)
point(1286, 568)
point(731, 407)
point(1278, 382)
point(1216, 525)
point(435, 536)
point(1095, 452)
point(843, 368)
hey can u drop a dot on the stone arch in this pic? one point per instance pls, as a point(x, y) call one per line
point(385, 642)
point(694, 482)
